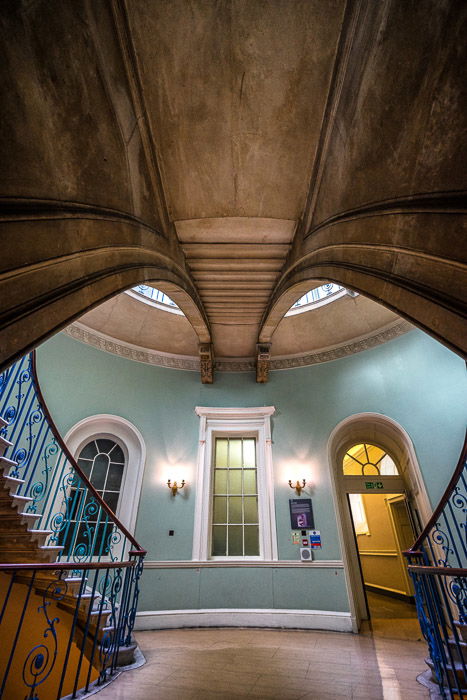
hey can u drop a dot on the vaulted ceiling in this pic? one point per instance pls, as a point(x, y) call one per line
point(234, 153)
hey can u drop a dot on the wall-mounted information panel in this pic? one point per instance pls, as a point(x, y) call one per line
point(301, 514)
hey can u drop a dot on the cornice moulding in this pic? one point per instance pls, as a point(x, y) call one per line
point(121, 348)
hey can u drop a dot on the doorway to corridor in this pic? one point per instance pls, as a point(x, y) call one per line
point(383, 528)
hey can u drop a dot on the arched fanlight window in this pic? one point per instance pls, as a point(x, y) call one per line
point(365, 459)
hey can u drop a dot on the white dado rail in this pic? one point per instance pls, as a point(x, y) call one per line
point(256, 564)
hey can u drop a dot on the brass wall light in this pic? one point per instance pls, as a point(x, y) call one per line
point(298, 487)
point(175, 487)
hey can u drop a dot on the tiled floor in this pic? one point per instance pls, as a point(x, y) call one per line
point(208, 664)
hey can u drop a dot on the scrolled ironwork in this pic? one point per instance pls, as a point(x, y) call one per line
point(41, 659)
point(90, 536)
point(438, 566)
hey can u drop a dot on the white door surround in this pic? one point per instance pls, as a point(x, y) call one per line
point(386, 433)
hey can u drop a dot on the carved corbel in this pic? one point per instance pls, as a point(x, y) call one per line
point(263, 361)
point(206, 362)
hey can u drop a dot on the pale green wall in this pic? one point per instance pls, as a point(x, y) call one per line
point(414, 380)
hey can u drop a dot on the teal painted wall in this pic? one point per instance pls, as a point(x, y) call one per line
point(413, 379)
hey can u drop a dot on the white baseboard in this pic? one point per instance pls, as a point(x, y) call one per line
point(293, 619)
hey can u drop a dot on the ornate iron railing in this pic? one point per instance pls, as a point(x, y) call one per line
point(81, 623)
point(97, 558)
point(61, 494)
point(438, 567)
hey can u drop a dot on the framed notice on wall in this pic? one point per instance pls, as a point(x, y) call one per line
point(301, 514)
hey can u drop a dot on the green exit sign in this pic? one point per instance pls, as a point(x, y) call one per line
point(373, 485)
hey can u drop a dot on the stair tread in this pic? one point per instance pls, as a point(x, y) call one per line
point(13, 480)
point(7, 460)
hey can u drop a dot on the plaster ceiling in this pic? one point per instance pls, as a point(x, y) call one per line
point(235, 94)
point(346, 321)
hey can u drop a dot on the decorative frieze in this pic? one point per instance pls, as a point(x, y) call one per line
point(248, 364)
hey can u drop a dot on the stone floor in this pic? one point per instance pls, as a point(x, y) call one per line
point(392, 618)
point(209, 664)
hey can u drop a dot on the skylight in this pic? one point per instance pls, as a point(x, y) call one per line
point(152, 295)
point(319, 296)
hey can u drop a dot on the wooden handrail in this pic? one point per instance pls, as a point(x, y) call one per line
point(436, 570)
point(414, 549)
point(64, 565)
point(75, 465)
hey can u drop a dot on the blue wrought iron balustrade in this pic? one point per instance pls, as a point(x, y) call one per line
point(438, 567)
point(95, 579)
point(79, 519)
point(80, 626)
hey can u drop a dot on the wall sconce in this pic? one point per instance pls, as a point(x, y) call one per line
point(175, 487)
point(298, 487)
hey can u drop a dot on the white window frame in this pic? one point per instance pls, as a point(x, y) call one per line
point(128, 437)
point(235, 422)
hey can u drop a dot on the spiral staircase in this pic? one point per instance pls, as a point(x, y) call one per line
point(69, 570)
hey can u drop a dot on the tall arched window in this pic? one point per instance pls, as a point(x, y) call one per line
point(103, 462)
point(111, 452)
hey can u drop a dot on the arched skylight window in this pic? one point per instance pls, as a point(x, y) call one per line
point(154, 296)
point(317, 297)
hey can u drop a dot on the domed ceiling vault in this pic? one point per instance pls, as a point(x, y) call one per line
point(234, 153)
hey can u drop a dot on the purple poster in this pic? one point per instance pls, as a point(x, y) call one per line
point(301, 514)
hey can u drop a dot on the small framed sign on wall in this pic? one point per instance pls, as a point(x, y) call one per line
point(301, 514)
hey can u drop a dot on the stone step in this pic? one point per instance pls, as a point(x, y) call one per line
point(50, 552)
point(4, 445)
point(458, 650)
point(19, 503)
point(20, 537)
point(9, 486)
point(455, 674)
point(27, 519)
point(6, 464)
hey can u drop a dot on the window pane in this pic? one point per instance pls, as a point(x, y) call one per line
point(89, 451)
point(99, 471)
point(249, 481)
point(235, 453)
point(220, 510)
point(374, 453)
point(388, 467)
point(105, 445)
point(251, 509)
point(85, 465)
point(219, 541)
point(235, 510)
point(116, 454)
point(249, 453)
point(114, 477)
point(251, 541)
point(221, 452)
point(235, 481)
point(235, 541)
point(111, 499)
point(220, 481)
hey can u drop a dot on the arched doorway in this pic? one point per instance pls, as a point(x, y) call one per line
point(390, 470)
